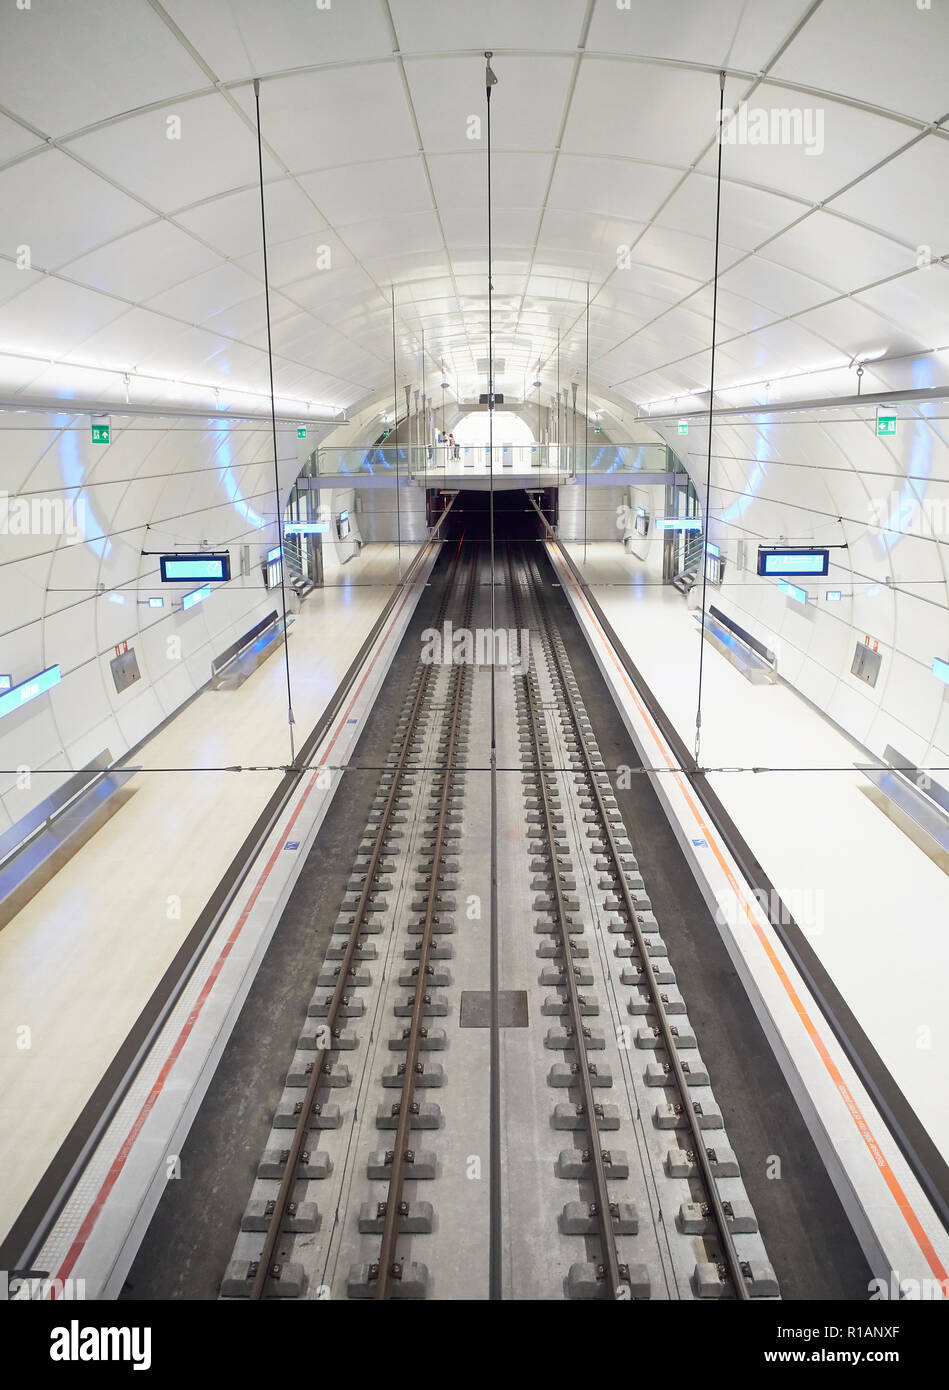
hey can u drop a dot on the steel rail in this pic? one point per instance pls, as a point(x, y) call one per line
point(266, 1266)
point(667, 1032)
point(388, 1270)
point(615, 1273)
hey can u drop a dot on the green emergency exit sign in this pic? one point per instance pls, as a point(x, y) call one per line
point(100, 434)
point(301, 432)
point(683, 426)
point(886, 421)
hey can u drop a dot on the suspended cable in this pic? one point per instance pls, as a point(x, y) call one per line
point(494, 1236)
point(586, 428)
point(395, 441)
point(273, 421)
point(711, 410)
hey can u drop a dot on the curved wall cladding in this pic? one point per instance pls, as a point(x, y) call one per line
point(74, 581)
point(824, 478)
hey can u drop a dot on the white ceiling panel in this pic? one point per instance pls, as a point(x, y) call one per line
point(206, 295)
point(683, 253)
point(624, 109)
point(888, 55)
point(242, 38)
point(248, 320)
point(338, 116)
point(357, 193)
point(517, 180)
point(854, 328)
point(291, 261)
point(784, 291)
point(919, 301)
point(740, 33)
point(749, 216)
point(98, 60)
point(848, 256)
point(15, 139)
point(51, 316)
point(232, 224)
point(611, 187)
point(134, 334)
point(908, 197)
point(830, 144)
point(514, 228)
point(14, 280)
point(414, 232)
point(143, 263)
point(447, 91)
point(431, 26)
point(215, 153)
point(32, 191)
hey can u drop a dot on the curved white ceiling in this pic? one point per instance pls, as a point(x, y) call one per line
point(145, 250)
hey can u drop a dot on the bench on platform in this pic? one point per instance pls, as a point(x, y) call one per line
point(242, 658)
point(749, 656)
point(912, 801)
point(46, 838)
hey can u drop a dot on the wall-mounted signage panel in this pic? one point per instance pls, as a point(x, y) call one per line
point(26, 691)
point(886, 419)
point(306, 528)
point(784, 562)
point(792, 591)
point(190, 569)
point(679, 523)
point(196, 596)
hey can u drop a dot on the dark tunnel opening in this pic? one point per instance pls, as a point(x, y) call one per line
point(515, 519)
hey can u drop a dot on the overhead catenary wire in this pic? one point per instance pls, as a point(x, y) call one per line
point(711, 413)
point(395, 440)
point(273, 422)
point(494, 1084)
point(586, 427)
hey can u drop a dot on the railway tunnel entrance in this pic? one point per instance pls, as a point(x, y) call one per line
point(515, 518)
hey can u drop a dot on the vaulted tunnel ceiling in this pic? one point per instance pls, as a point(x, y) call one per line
point(130, 237)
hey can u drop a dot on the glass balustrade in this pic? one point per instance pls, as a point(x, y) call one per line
point(550, 463)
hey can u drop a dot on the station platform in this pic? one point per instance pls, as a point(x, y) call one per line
point(79, 962)
point(872, 905)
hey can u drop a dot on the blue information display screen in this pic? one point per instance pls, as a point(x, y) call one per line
point(783, 562)
point(306, 528)
point(196, 596)
point(28, 690)
point(792, 591)
point(186, 569)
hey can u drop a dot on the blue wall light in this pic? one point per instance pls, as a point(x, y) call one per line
point(28, 690)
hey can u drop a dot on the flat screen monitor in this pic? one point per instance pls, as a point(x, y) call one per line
point(342, 525)
point(190, 569)
point(781, 563)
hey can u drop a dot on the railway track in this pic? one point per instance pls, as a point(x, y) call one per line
point(710, 1224)
point(647, 1202)
point(392, 867)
